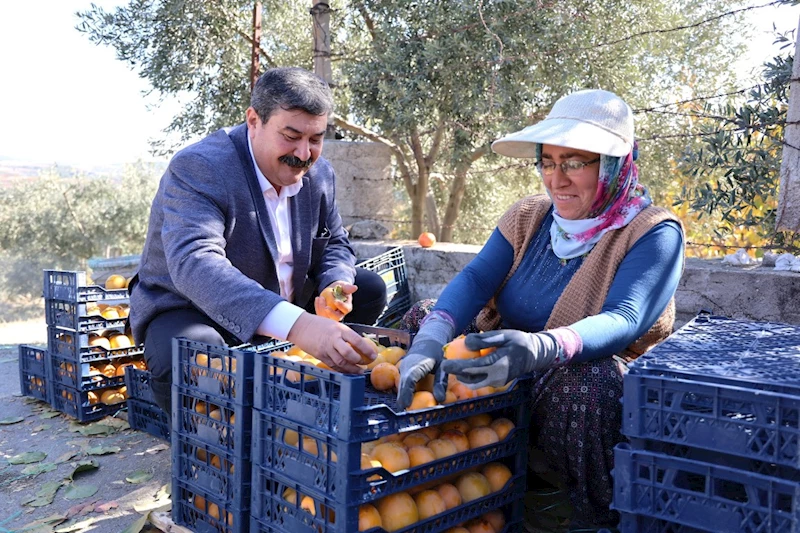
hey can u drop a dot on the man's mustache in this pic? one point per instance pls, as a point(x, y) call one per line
point(295, 162)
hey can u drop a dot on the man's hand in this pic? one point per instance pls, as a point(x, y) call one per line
point(517, 354)
point(335, 300)
point(332, 343)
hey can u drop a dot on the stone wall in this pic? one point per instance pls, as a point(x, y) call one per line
point(758, 294)
point(363, 180)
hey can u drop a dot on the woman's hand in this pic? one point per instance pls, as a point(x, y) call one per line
point(422, 358)
point(517, 354)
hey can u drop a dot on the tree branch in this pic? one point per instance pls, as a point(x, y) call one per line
point(436, 144)
point(368, 22)
point(261, 50)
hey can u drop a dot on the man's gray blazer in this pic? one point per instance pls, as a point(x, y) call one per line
point(210, 242)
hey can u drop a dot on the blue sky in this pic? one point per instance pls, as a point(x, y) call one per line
point(68, 101)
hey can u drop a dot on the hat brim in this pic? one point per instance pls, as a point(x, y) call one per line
point(564, 132)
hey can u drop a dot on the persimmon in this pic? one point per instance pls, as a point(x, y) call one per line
point(422, 400)
point(480, 525)
point(392, 456)
point(115, 281)
point(335, 298)
point(450, 397)
point(442, 448)
point(449, 494)
point(482, 419)
point(425, 384)
point(426, 239)
point(416, 438)
point(473, 485)
point(482, 436)
point(496, 518)
point(419, 455)
point(384, 376)
point(457, 349)
point(368, 517)
point(397, 511)
point(502, 426)
point(497, 474)
point(431, 431)
point(456, 437)
point(457, 529)
point(307, 504)
point(461, 425)
point(429, 503)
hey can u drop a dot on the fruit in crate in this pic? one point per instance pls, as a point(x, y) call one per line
point(107, 369)
point(449, 494)
point(121, 368)
point(429, 503)
point(110, 313)
point(419, 455)
point(422, 400)
point(502, 426)
point(482, 436)
point(497, 474)
point(392, 456)
point(473, 485)
point(112, 396)
point(92, 396)
point(496, 518)
point(460, 440)
point(384, 376)
point(397, 511)
point(368, 517)
point(99, 341)
point(115, 281)
point(479, 525)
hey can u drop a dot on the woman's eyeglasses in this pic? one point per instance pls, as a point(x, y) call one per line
point(569, 167)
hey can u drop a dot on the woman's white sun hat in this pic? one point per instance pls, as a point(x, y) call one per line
point(594, 120)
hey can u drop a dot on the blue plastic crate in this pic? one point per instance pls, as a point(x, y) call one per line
point(222, 372)
point(193, 417)
point(271, 512)
point(756, 355)
point(148, 417)
point(703, 495)
point(202, 513)
point(212, 470)
point(138, 383)
point(76, 317)
point(74, 346)
point(81, 376)
point(328, 467)
point(33, 360)
point(633, 523)
point(71, 286)
point(76, 404)
point(391, 267)
point(748, 422)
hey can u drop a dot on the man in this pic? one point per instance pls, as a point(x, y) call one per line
point(244, 232)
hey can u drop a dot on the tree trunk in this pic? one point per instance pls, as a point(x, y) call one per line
point(789, 198)
point(432, 214)
point(255, 58)
point(457, 191)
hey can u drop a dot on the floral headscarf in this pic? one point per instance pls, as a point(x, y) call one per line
point(620, 197)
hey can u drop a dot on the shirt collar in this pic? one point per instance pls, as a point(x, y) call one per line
point(263, 182)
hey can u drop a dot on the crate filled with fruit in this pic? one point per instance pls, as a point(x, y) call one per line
point(34, 376)
point(335, 453)
point(143, 412)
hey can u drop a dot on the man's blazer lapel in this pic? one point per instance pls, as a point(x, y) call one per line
point(239, 137)
point(302, 218)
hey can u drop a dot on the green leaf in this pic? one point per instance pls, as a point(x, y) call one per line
point(11, 420)
point(35, 470)
point(102, 450)
point(137, 526)
point(83, 466)
point(63, 458)
point(40, 428)
point(93, 430)
point(49, 414)
point(45, 495)
point(140, 476)
point(79, 492)
point(27, 458)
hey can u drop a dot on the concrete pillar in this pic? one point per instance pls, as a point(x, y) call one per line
point(789, 198)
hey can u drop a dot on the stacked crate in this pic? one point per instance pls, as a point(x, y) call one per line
point(311, 425)
point(391, 267)
point(713, 415)
point(143, 412)
point(34, 373)
point(86, 364)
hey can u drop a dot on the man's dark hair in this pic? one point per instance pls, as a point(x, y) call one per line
point(290, 88)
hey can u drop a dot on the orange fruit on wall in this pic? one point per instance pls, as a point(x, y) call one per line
point(426, 239)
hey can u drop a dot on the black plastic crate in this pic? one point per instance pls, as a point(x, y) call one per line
point(76, 317)
point(747, 422)
point(391, 266)
point(193, 418)
point(84, 376)
point(222, 372)
point(33, 360)
point(271, 512)
point(201, 513)
point(148, 417)
point(212, 470)
point(703, 495)
point(76, 404)
point(71, 286)
point(753, 355)
point(348, 408)
point(634, 523)
point(138, 383)
point(75, 347)
point(328, 467)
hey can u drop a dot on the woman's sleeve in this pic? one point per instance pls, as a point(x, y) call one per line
point(473, 287)
point(645, 281)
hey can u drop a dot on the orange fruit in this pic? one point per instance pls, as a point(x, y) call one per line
point(121, 369)
point(392, 456)
point(93, 398)
point(461, 425)
point(450, 397)
point(291, 437)
point(442, 448)
point(496, 518)
point(97, 340)
point(457, 529)
point(476, 421)
point(110, 313)
point(422, 400)
point(368, 517)
point(431, 431)
point(307, 504)
point(392, 354)
point(416, 438)
point(450, 495)
point(502, 426)
point(497, 474)
point(419, 455)
point(383, 376)
point(120, 340)
point(456, 437)
point(457, 349)
point(115, 281)
point(108, 370)
point(397, 511)
point(479, 525)
point(426, 239)
point(425, 384)
point(429, 503)
point(473, 485)
point(463, 392)
point(482, 436)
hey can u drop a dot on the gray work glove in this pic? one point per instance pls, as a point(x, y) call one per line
point(424, 357)
point(517, 354)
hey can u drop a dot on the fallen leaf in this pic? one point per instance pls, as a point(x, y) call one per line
point(116, 423)
point(105, 507)
point(165, 490)
point(79, 492)
point(11, 420)
point(49, 521)
point(35, 470)
point(27, 458)
point(49, 414)
point(140, 476)
point(102, 450)
point(81, 509)
point(77, 527)
point(137, 526)
point(93, 430)
point(83, 466)
point(40, 428)
point(45, 495)
point(157, 448)
point(66, 457)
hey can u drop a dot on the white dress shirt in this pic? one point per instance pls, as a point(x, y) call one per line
point(281, 318)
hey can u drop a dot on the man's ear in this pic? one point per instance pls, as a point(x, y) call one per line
point(253, 121)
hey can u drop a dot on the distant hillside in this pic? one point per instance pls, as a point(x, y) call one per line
point(13, 171)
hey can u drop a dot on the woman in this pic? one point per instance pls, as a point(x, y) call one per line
point(569, 285)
